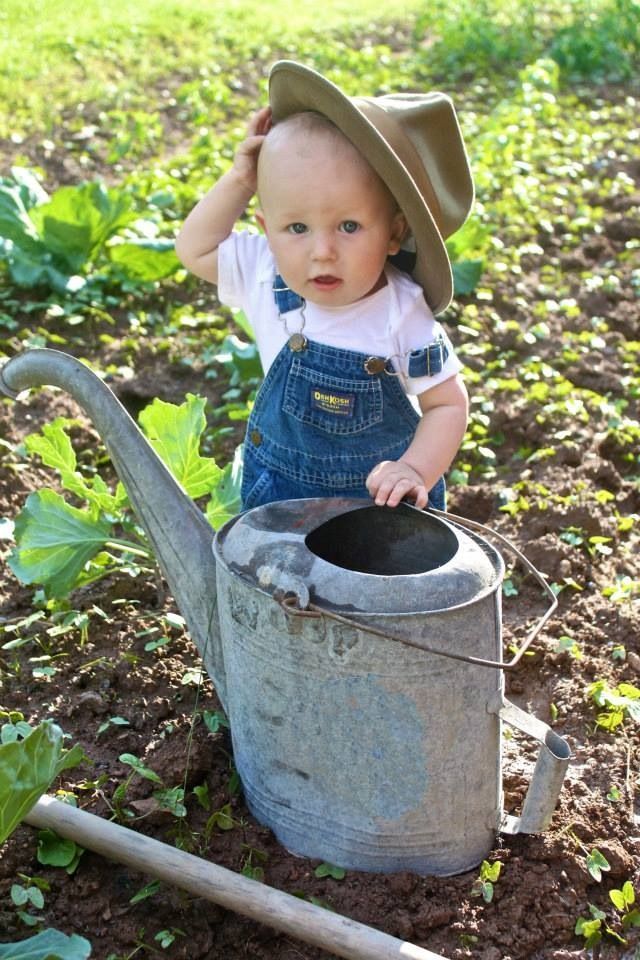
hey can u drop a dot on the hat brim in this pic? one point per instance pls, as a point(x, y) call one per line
point(294, 88)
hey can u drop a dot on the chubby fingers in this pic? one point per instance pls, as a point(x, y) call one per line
point(392, 480)
point(260, 122)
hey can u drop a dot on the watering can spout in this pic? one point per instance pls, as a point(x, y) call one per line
point(548, 775)
point(180, 535)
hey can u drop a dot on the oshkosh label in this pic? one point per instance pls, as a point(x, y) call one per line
point(331, 401)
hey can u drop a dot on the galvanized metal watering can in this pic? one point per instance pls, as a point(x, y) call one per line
point(356, 651)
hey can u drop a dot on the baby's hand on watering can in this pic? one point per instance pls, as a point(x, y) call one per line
point(392, 480)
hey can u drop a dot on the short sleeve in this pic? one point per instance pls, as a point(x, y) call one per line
point(414, 328)
point(243, 260)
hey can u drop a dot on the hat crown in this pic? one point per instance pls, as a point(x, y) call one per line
point(423, 132)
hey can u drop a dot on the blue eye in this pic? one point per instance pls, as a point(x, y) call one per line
point(297, 228)
point(349, 226)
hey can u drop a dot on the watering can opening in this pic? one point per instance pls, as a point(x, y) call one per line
point(384, 541)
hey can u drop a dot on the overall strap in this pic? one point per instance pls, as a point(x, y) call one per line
point(429, 360)
point(285, 297)
point(425, 362)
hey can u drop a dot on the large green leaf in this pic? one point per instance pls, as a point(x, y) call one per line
point(30, 262)
point(146, 260)
point(54, 542)
point(240, 359)
point(51, 240)
point(31, 191)
point(15, 223)
point(53, 445)
point(31, 271)
point(466, 274)
point(78, 220)
point(225, 498)
point(27, 768)
point(470, 242)
point(31, 267)
point(47, 945)
point(467, 250)
point(175, 432)
point(240, 318)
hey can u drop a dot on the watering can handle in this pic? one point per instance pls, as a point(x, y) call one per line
point(473, 525)
point(296, 606)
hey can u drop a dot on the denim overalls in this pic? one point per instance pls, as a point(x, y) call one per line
point(325, 416)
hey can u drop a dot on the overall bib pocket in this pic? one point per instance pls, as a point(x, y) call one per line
point(336, 405)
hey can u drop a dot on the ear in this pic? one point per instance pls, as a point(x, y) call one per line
point(260, 218)
point(399, 230)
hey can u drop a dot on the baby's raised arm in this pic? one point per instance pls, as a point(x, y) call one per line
point(213, 218)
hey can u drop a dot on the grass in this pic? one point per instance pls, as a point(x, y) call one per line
point(58, 56)
point(58, 52)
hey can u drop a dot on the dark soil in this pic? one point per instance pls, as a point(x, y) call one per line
point(544, 886)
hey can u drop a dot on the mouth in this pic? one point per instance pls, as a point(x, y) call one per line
point(326, 282)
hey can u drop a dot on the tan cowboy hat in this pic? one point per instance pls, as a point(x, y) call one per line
point(413, 142)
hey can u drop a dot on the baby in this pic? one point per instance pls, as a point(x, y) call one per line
point(356, 198)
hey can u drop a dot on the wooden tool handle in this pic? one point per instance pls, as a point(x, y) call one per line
point(322, 928)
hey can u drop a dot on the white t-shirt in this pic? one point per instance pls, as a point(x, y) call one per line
point(389, 323)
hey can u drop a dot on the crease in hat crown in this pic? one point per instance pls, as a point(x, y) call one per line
point(413, 142)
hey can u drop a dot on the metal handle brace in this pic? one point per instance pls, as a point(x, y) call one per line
point(292, 605)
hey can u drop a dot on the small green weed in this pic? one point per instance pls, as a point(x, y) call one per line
point(166, 937)
point(56, 851)
point(594, 546)
point(221, 819)
point(483, 886)
point(624, 590)
point(252, 863)
point(567, 644)
point(329, 870)
point(592, 929)
point(201, 793)
point(215, 720)
point(620, 703)
point(112, 722)
point(623, 900)
point(170, 799)
point(596, 864)
point(149, 890)
point(29, 894)
point(627, 916)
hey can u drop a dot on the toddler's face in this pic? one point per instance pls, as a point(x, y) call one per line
point(329, 219)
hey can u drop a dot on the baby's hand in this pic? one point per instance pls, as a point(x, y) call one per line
point(392, 480)
point(245, 162)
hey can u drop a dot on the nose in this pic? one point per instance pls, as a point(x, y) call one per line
point(324, 247)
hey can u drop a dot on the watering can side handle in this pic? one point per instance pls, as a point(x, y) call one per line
point(548, 775)
point(474, 525)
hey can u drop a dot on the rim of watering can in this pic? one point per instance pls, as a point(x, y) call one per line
point(244, 571)
point(288, 601)
point(277, 592)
